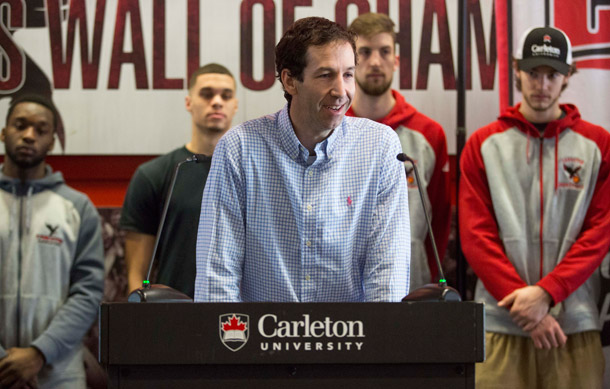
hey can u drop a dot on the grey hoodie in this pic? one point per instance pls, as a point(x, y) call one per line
point(51, 273)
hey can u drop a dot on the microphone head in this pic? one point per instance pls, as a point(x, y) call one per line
point(402, 157)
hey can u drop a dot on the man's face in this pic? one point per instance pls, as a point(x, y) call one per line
point(377, 62)
point(541, 87)
point(29, 135)
point(212, 102)
point(327, 89)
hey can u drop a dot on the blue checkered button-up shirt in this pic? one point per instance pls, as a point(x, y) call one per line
point(274, 227)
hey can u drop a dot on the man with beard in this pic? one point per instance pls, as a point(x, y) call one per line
point(535, 223)
point(421, 138)
point(212, 103)
point(306, 204)
point(51, 257)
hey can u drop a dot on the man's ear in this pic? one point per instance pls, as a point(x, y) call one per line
point(289, 82)
point(566, 78)
point(187, 102)
point(396, 62)
point(2, 135)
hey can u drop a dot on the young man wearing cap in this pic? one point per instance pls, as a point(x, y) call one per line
point(51, 257)
point(535, 224)
point(421, 138)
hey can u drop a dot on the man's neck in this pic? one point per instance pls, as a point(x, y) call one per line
point(373, 107)
point(203, 141)
point(546, 116)
point(308, 136)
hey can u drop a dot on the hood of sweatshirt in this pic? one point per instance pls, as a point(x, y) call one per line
point(401, 112)
point(515, 118)
point(26, 189)
point(19, 188)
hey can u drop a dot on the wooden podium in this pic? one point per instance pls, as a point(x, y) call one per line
point(292, 345)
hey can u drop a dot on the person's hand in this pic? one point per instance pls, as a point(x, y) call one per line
point(548, 334)
point(20, 367)
point(527, 305)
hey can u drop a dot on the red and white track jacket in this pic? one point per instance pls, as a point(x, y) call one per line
point(535, 210)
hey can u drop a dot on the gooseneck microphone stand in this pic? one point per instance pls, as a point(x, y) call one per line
point(429, 292)
point(159, 293)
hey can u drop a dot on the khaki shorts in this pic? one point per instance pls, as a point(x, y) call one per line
point(513, 362)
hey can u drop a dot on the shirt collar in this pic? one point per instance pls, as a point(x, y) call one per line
point(296, 150)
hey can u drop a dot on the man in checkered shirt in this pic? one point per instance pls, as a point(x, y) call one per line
point(306, 204)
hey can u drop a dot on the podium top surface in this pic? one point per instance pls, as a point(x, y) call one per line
point(296, 333)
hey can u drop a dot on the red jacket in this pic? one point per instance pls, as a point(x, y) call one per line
point(535, 210)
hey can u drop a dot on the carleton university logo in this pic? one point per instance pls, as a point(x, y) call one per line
point(234, 330)
point(572, 172)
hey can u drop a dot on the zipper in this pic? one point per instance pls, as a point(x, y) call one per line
point(541, 237)
point(19, 257)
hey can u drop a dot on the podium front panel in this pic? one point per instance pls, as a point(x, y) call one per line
point(318, 343)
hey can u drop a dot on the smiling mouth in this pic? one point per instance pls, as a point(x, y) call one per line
point(334, 108)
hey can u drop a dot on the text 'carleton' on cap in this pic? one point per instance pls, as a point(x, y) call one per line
point(544, 46)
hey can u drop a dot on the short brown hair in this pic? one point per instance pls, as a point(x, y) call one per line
point(370, 24)
point(207, 69)
point(291, 51)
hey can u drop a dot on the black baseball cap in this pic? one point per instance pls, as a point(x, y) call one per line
point(544, 46)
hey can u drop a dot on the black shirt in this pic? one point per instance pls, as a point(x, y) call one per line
point(143, 208)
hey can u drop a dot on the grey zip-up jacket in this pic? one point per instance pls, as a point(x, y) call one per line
point(51, 273)
point(535, 210)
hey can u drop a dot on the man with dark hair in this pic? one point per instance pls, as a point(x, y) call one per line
point(212, 104)
point(421, 138)
point(51, 259)
point(306, 204)
point(535, 225)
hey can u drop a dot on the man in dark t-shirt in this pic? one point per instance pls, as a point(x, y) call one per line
point(212, 103)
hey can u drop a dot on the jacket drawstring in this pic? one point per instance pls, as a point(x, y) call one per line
point(527, 148)
point(556, 159)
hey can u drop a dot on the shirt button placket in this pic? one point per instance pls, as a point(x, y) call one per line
point(308, 288)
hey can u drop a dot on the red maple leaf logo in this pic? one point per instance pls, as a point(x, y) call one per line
point(234, 324)
point(547, 38)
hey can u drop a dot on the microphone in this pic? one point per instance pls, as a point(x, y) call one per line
point(158, 293)
point(429, 292)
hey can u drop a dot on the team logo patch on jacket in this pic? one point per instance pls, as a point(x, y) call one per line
point(50, 237)
point(572, 172)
